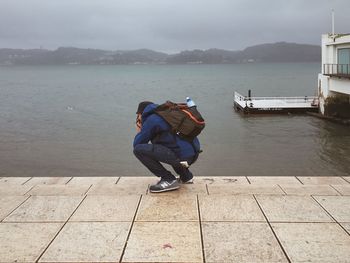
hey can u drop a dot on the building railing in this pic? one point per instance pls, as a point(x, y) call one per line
point(337, 70)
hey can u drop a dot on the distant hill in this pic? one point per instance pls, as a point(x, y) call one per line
point(139, 56)
point(277, 52)
point(18, 56)
point(210, 56)
point(282, 52)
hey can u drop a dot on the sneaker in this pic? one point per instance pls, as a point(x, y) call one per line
point(163, 186)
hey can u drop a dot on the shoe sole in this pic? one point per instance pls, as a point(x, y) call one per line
point(164, 190)
point(187, 182)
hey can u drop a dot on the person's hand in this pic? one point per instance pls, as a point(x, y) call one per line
point(138, 124)
point(138, 128)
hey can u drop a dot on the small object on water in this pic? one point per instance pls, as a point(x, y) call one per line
point(69, 108)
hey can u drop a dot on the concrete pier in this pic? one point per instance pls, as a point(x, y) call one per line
point(216, 219)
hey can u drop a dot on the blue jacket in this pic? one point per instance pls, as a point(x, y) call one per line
point(157, 130)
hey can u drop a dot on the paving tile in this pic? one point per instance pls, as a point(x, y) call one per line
point(88, 242)
point(9, 203)
point(346, 178)
point(163, 208)
point(290, 208)
point(93, 180)
point(164, 242)
point(220, 180)
point(107, 208)
point(45, 209)
point(137, 180)
point(314, 242)
point(229, 208)
point(346, 226)
point(309, 190)
point(118, 189)
point(240, 242)
point(322, 180)
point(12, 189)
point(337, 206)
point(343, 189)
point(244, 189)
point(59, 190)
point(47, 180)
point(24, 242)
point(273, 180)
point(13, 180)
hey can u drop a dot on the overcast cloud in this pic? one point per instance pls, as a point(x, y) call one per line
point(166, 25)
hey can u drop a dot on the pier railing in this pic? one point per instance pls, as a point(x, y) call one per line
point(337, 70)
point(306, 99)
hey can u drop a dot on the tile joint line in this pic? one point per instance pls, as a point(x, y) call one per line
point(330, 214)
point(118, 180)
point(346, 179)
point(29, 190)
point(342, 177)
point(336, 190)
point(206, 187)
point(299, 180)
point(200, 228)
point(87, 190)
point(26, 181)
point(282, 189)
point(131, 227)
point(279, 242)
point(16, 208)
point(59, 231)
point(31, 178)
point(69, 180)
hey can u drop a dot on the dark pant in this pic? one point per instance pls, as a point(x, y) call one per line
point(151, 155)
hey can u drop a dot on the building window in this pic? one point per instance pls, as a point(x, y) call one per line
point(344, 61)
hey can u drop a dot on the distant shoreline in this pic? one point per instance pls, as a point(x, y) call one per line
point(274, 53)
point(160, 64)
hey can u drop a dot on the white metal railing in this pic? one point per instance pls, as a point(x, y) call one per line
point(306, 99)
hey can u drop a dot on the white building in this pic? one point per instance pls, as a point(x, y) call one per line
point(334, 81)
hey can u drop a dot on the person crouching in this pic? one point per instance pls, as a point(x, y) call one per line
point(155, 143)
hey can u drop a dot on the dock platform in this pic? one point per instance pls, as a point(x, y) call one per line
point(216, 219)
point(279, 105)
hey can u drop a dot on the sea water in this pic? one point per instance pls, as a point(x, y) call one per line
point(80, 120)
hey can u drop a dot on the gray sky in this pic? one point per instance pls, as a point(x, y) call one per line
point(167, 25)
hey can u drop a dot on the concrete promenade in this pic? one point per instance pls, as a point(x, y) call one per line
point(216, 219)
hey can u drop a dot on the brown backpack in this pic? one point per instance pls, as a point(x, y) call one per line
point(186, 122)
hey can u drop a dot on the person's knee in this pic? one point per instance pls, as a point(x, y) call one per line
point(141, 149)
point(137, 150)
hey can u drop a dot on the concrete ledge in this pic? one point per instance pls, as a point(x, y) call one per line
point(216, 219)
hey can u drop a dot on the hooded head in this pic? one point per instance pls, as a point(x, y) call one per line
point(142, 106)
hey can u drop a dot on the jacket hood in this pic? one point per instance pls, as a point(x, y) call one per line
point(148, 111)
